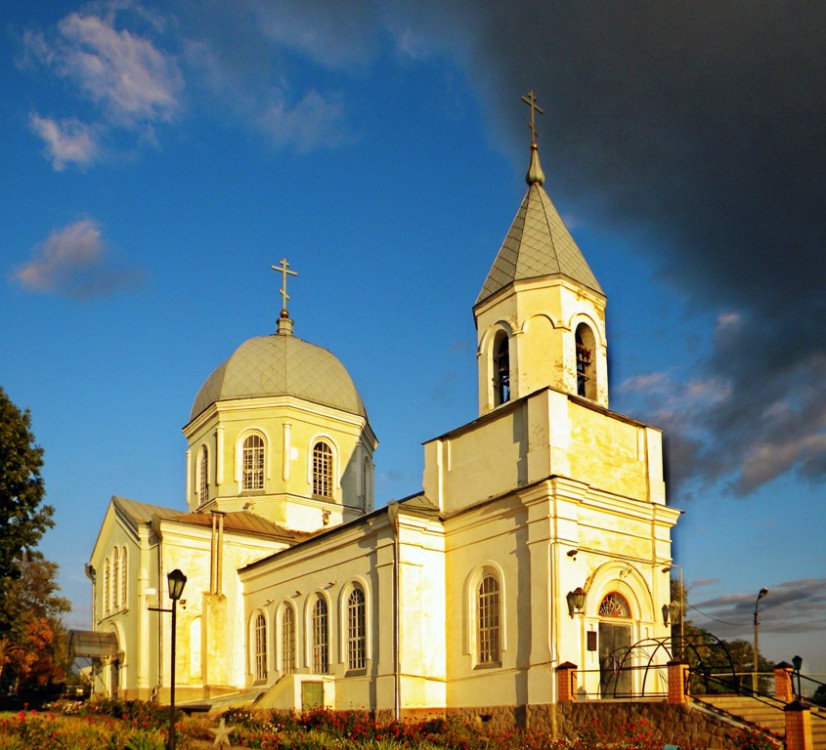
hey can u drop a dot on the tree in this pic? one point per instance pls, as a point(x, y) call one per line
point(33, 647)
point(23, 517)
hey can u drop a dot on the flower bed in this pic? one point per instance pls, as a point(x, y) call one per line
point(135, 725)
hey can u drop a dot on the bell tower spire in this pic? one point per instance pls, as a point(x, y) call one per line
point(540, 316)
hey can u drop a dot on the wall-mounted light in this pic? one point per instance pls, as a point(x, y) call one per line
point(671, 612)
point(576, 601)
point(572, 553)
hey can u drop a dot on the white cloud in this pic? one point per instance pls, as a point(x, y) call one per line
point(68, 141)
point(72, 261)
point(130, 79)
point(315, 121)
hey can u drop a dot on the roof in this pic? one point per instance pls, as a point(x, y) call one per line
point(281, 365)
point(243, 521)
point(92, 644)
point(537, 244)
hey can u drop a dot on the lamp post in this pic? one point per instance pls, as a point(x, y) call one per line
point(176, 580)
point(797, 663)
point(760, 595)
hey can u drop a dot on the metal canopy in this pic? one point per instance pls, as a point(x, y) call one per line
point(92, 644)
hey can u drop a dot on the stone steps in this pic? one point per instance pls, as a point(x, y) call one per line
point(765, 715)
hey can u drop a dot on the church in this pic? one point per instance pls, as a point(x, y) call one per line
point(540, 535)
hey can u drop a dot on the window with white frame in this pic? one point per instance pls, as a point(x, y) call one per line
point(260, 655)
point(253, 463)
point(115, 580)
point(488, 621)
point(322, 469)
point(321, 650)
point(124, 569)
point(288, 640)
point(203, 476)
point(107, 602)
point(356, 635)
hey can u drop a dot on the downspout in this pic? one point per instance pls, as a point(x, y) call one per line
point(393, 518)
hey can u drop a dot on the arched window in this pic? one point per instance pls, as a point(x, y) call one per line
point(322, 469)
point(488, 621)
point(356, 637)
point(124, 567)
point(115, 580)
point(321, 649)
point(107, 583)
point(614, 605)
point(253, 463)
point(203, 476)
point(260, 647)
point(288, 640)
point(586, 382)
point(501, 370)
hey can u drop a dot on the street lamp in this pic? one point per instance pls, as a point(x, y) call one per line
point(760, 595)
point(176, 580)
point(797, 663)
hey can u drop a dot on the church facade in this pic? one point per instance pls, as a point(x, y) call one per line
point(541, 534)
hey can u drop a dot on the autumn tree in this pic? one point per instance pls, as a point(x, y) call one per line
point(33, 647)
point(23, 516)
point(23, 519)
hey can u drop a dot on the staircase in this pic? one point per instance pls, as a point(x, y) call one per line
point(767, 715)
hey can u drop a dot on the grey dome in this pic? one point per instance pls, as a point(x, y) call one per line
point(279, 365)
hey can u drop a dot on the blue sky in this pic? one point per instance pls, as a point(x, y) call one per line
point(157, 158)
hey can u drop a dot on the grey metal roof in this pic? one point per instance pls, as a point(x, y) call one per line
point(537, 244)
point(281, 365)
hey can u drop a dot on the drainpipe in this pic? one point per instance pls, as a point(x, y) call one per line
point(393, 518)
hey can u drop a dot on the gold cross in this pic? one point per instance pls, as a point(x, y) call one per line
point(284, 269)
point(530, 100)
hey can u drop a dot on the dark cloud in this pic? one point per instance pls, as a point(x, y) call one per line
point(789, 607)
point(705, 123)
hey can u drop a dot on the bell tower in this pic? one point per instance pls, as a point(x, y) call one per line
point(540, 317)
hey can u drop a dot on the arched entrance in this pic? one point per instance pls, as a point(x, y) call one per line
point(614, 641)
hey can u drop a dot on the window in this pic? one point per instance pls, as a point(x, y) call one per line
point(356, 656)
point(322, 470)
point(124, 568)
point(115, 580)
point(203, 476)
point(585, 377)
point(320, 643)
point(614, 605)
point(260, 647)
point(106, 585)
point(501, 370)
point(488, 621)
point(288, 640)
point(253, 462)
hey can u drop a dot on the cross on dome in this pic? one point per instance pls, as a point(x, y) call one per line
point(285, 325)
point(530, 100)
point(535, 174)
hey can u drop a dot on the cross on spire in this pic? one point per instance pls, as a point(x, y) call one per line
point(283, 269)
point(530, 100)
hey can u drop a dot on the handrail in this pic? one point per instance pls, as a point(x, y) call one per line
point(765, 698)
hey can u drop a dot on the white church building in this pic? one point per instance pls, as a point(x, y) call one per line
point(541, 534)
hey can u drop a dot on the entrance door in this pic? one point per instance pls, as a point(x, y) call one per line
point(614, 641)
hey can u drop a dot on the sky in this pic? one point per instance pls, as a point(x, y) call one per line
point(158, 158)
